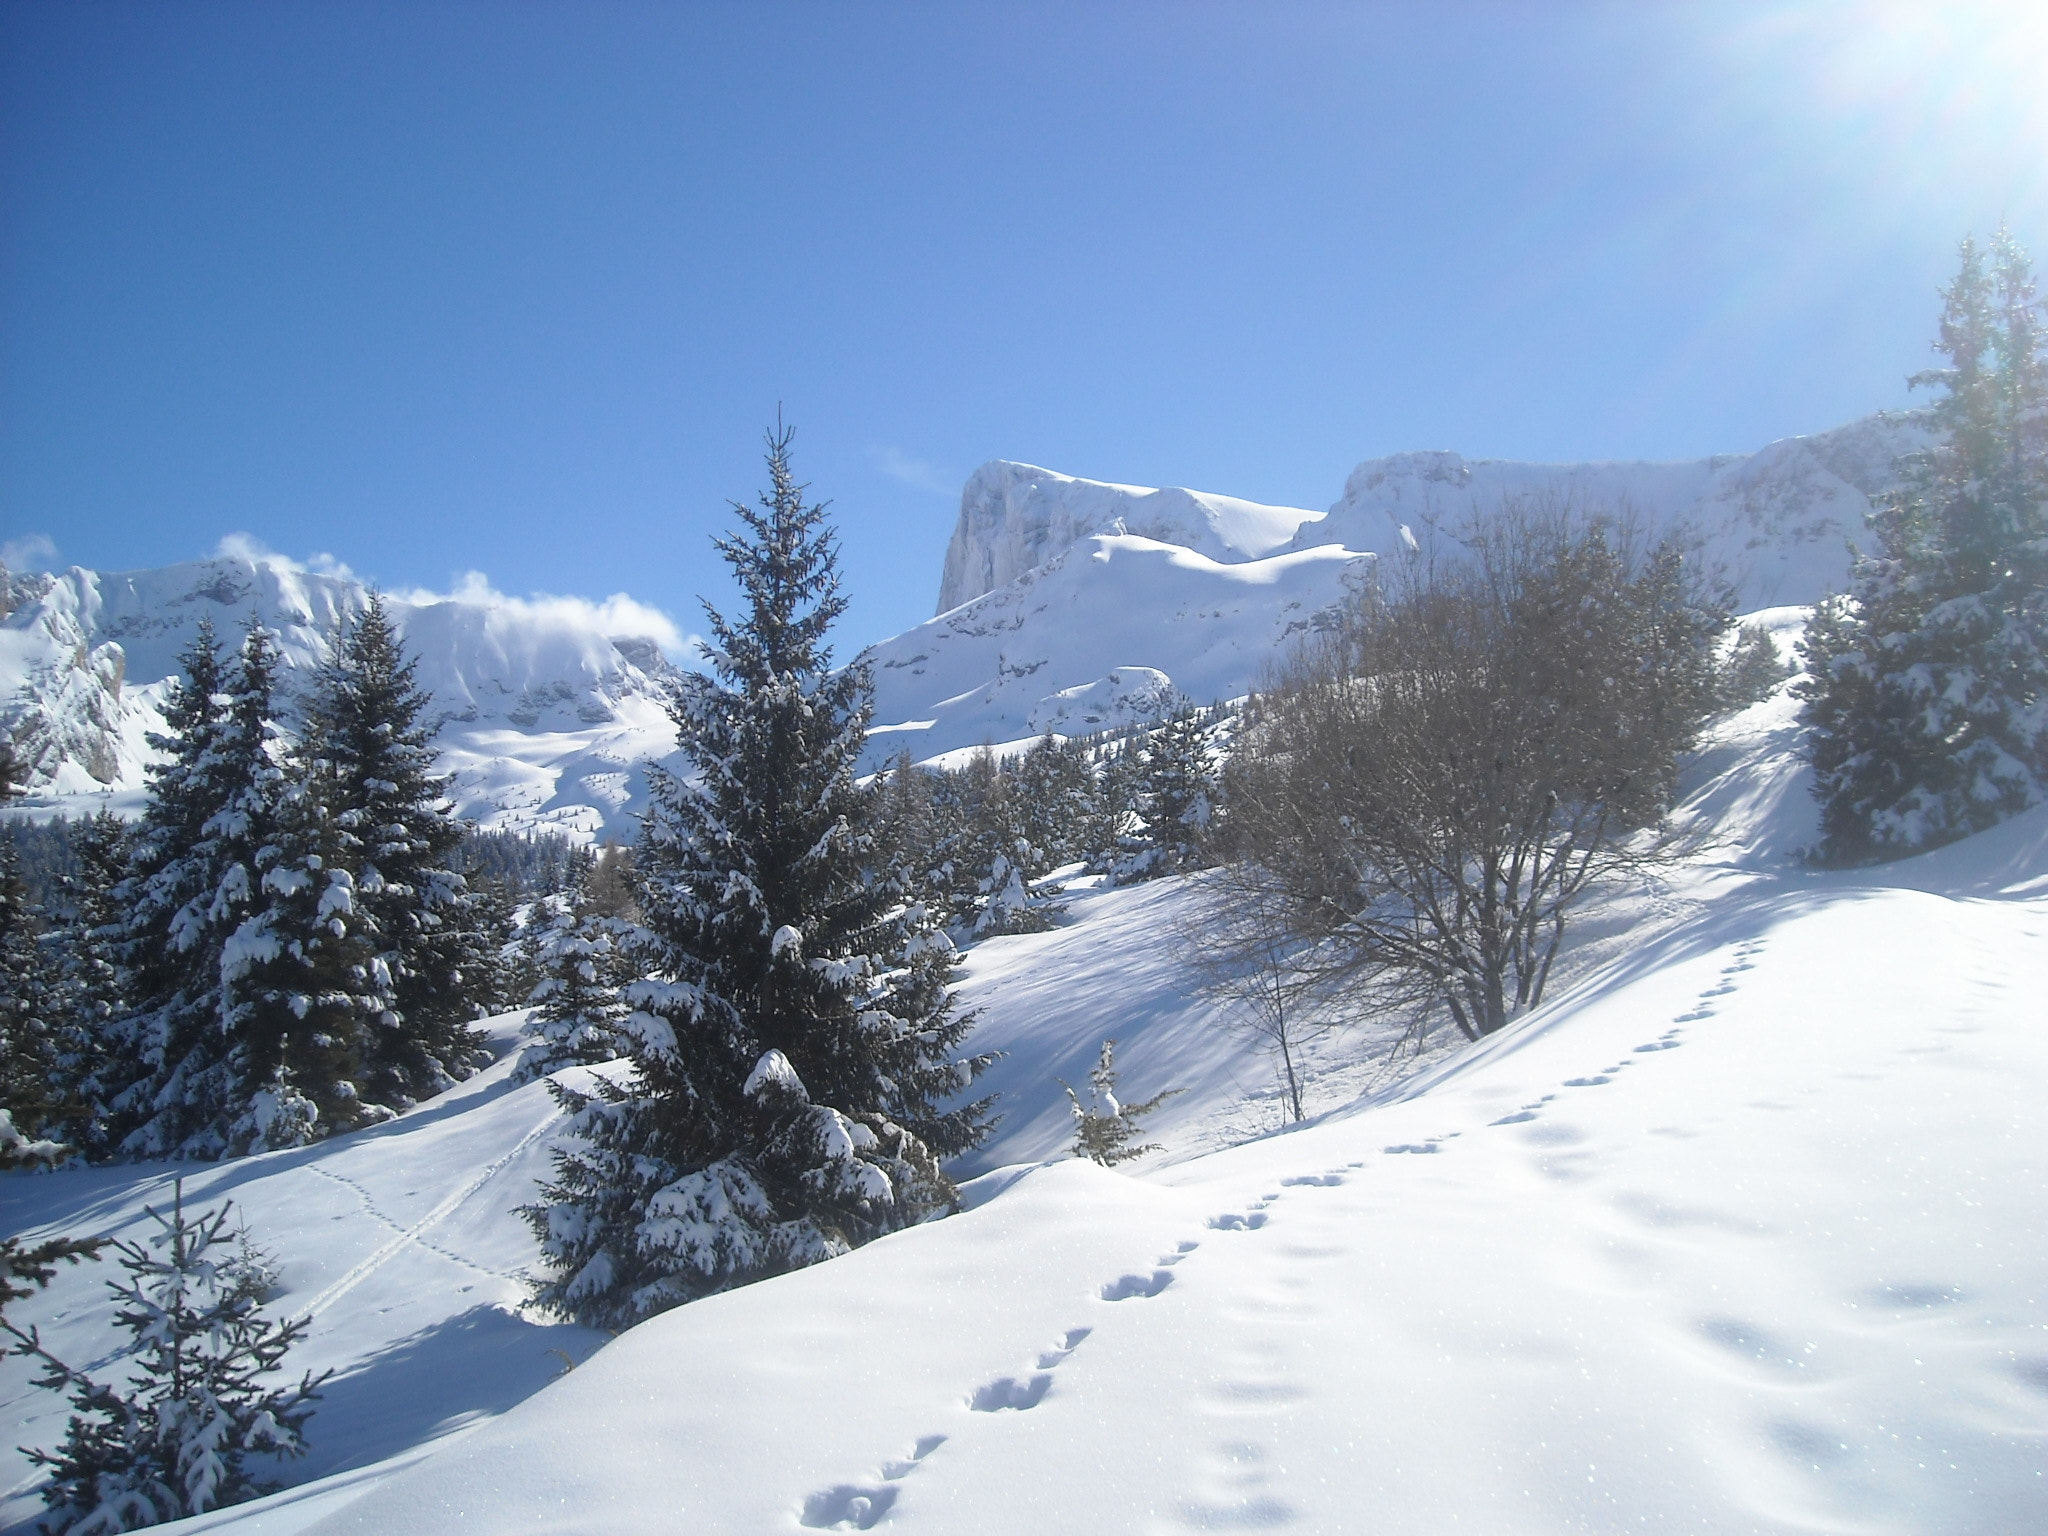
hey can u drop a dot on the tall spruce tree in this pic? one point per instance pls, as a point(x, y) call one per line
point(1177, 793)
point(794, 1048)
point(163, 890)
point(92, 984)
point(305, 986)
point(1927, 697)
point(369, 761)
point(194, 879)
point(29, 998)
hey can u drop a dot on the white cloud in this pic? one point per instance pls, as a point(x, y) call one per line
point(916, 473)
point(246, 546)
point(618, 616)
point(29, 552)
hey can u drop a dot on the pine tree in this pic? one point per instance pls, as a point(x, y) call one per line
point(29, 1003)
point(1752, 669)
point(1114, 815)
point(1927, 701)
point(576, 1006)
point(794, 1046)
point(1105, 1130)
point(92, 986)
point(370, 763)
point(305, 984)
point(194, 878)
point(1176, 796)
point(179, 1441)
point(173, 978)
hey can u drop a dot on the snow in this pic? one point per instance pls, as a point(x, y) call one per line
point(1742, 1231)
point(1097, 637)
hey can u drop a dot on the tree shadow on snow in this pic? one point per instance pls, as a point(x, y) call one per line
point(474, 1365)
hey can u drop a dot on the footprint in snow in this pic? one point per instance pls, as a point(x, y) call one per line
point(1181, 1251)
point(1066, 1346)
point(1586, 1082)
point(1133, 1287)
point(1314, 1180)
point(1008, 1392)
point(1232, 1221)
point(897, 1470)
point(848, 1507)
point(1414, 1146)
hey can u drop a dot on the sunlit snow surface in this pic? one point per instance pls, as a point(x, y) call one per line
point(1743, 1232)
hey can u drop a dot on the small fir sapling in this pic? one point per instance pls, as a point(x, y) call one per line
point(179, 1439)
point(1105, 1129)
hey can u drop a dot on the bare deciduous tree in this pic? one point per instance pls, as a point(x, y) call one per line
point(1428, 789)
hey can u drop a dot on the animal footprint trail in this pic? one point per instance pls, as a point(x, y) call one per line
point(860, 1506)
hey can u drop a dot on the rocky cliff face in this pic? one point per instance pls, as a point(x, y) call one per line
point(1017, 517)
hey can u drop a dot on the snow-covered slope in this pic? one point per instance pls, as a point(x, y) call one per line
point(1102, 635)
point(1779, 521)
point(1743, 1232)
point(1016, 517)
point(547, 707)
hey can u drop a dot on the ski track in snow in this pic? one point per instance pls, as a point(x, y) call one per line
point(413, 1236)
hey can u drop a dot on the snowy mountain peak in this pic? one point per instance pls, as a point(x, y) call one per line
point(1016, 517)
point(525, 689)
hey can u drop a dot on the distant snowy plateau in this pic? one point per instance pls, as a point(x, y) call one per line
point(1066, 605)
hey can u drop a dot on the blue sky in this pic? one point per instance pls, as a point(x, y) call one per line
point(515, 287)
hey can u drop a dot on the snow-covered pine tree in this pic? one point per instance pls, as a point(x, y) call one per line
point(29, 1001)
point(1176, 796)
point(304, 984)
point(369, 758)
point(92, 987)
point(576, 1005)
point(179, 1441)
point(794, 1048)
point(1055, 795)
point(1751, 669)
point(165, 890)
point(1114, 814)
point(193, 880)
point(29, 1008)
point(1927, 698)
point(1106, 1130)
